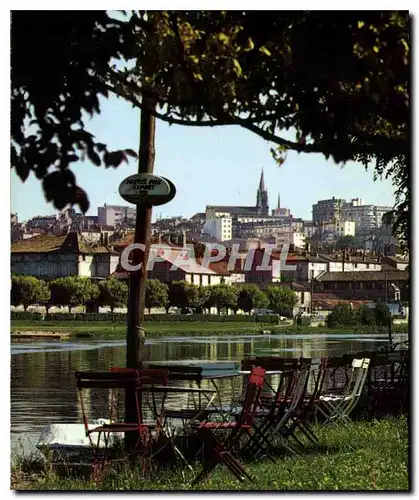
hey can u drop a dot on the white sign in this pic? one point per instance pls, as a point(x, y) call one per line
point(146, 189)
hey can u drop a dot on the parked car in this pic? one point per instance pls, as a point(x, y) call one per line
point(264, 312)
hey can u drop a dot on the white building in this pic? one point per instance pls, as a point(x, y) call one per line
point(288, 236)
point(220, 227)
point(332, 231)
point(50, 257)
point(115, 215)
point(366, 217)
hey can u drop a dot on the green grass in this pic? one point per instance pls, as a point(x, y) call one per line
point(368, 456)
point(155, 329)
point(152, 329)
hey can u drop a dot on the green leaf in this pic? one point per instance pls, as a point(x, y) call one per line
point(264, 50)
point(250, 45)
point(238, 68)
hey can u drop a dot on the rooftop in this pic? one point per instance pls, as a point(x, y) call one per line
point(71, 242)
point(233, 209)
point(364, 276)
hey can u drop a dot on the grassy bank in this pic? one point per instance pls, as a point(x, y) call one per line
point(368, 456)
point(106, 329)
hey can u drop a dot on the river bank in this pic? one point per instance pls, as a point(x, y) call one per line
point(366, 456)
point(21, 329)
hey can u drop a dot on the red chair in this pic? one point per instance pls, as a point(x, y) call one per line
point(220, 451)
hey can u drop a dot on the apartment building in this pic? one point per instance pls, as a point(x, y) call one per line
point(115, 215)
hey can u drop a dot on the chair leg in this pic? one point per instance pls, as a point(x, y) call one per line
point(214, 453)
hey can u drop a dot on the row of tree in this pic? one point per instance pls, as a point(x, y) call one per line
point(72, 292)
point(344, 315)
point(77, 291)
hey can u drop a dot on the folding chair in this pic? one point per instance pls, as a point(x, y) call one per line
point(284, 410)
point(286, 424)
point(112, 381)
point(337, 374)
point(387, 381)
point(337, 407)
point(308, 404)
point(270, 363)
point(217, 450)
point(183, 373)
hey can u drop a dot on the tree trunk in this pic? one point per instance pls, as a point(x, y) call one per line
point(25, 307)
point(137, 279)
point(69, 309)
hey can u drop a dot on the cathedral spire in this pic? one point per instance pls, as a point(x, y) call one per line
point(262, 206)
point(262, 182)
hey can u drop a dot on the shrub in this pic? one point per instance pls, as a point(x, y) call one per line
point(305, 320)
point(366, 316)
point(26, 316)
point(342, 314)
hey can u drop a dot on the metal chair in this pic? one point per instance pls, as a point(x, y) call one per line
point(337, 407)
point(217, 450)
point(110, 383)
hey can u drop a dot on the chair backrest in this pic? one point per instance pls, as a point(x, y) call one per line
point(107, 380)
point(364, 369)
point(301, 383)
point(181, 372)
point(319, 379)
point(147, 376)
point(358, 376)
point(337, 373)
point(252, 397)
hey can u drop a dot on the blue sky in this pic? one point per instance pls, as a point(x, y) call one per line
point(209, 166)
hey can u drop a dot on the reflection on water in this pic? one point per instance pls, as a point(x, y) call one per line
point(43, 387)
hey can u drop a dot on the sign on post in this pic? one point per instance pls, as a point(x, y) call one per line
point(147, 190)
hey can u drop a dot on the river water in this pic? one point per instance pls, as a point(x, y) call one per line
point(43, 389)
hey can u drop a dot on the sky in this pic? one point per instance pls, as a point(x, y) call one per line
point(209, 166)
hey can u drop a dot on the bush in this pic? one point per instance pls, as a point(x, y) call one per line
point(341, 315)
point(366, 316)
point(26, 316)
point(305, 320)
point(382, 314)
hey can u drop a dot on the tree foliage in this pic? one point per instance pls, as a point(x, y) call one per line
point(342, 314)
point(156, 294)
point(281, 299)
point(113, 293)
point(28, 290)
point(59, 60)
point(222, 297)
point(73, 291)
point(251, 297)
point(337, 80)
point(347, 242)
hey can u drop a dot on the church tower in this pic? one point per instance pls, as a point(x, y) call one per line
point(262, 206)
